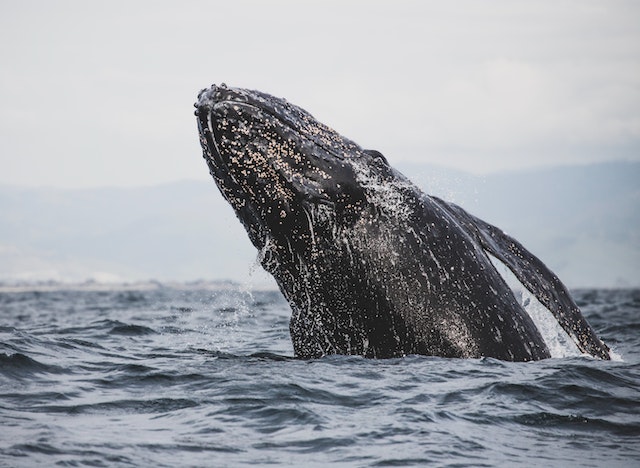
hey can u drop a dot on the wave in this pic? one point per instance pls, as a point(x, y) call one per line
point(19, 365)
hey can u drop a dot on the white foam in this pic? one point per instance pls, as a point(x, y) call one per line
point(615, 356)
point(386, 195)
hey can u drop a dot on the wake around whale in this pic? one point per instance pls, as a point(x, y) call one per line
point(369, 263)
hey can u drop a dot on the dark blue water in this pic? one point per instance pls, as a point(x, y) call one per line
point(169, 377)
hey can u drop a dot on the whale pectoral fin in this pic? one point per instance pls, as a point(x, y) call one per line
point(535, 276)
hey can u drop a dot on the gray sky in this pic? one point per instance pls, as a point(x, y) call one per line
point(101, 93)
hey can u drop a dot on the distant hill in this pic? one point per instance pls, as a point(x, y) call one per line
point(179, 231)
point(583, 221)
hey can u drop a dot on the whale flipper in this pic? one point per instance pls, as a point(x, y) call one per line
point(534, 275)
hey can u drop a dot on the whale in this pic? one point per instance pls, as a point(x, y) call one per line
point(369, 263)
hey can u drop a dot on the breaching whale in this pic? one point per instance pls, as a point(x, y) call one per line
point(370, 264)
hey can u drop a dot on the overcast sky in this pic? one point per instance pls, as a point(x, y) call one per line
point(101, 93)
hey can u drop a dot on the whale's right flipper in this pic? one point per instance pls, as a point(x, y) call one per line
point(534, 275)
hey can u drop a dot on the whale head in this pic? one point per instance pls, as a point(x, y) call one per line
point(277, 166)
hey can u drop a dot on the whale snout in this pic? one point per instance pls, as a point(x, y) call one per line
point(207, 97)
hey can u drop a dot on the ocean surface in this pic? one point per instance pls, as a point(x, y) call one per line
point(168, 377)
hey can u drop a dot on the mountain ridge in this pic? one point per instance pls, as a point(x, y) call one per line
point(582, 221)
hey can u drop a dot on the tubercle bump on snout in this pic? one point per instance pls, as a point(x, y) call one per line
point(208, 96)
point(204, 96)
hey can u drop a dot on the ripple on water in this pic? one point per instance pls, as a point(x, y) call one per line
point(170, 378)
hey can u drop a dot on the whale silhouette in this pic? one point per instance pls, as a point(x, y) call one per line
point(370, 264)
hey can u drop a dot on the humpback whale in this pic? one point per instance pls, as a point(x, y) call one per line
point(369, 263)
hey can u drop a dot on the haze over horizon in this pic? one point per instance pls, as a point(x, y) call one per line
point(583, 222)
point(99, 94)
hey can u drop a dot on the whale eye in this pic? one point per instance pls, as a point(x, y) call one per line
point(378, 155)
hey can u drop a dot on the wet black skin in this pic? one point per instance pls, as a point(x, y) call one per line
point(370, 264)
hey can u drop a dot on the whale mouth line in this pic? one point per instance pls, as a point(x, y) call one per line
point(235, 103)
point(212, 104)
point(214, 150)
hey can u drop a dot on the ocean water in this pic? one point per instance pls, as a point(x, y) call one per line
point(168, 377)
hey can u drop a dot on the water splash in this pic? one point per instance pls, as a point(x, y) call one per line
point(385, 194)
point(558, 341)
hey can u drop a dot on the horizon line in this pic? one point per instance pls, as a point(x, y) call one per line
point(401, 163)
